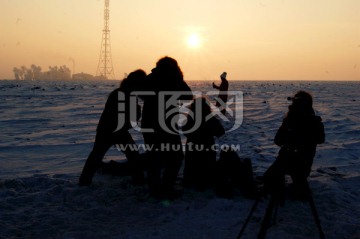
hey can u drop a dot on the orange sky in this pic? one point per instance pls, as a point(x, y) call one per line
point(251, 40)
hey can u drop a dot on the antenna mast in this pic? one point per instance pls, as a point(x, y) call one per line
point(105, 67)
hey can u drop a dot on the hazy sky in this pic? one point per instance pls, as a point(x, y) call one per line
point(251, 40)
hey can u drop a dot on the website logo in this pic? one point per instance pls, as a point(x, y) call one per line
point(171, 110)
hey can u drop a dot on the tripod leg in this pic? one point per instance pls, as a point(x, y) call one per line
point(267, 217)
point(248, 218)
point(313, 208)
point(276, 211)
point(316, 217)
point(315, 214)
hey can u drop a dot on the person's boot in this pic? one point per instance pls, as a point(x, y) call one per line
point(136, 171)
point(88, 173)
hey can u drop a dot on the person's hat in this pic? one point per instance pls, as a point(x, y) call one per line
point(301, 98)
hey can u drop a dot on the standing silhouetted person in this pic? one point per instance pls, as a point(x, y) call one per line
point(223, 95)
point(300, 132)
point(113, 129)
point(200, 154)
point(166, 87)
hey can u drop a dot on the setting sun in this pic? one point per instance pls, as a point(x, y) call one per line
point(194, 40)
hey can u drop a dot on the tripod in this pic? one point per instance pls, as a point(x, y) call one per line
point(275, 199)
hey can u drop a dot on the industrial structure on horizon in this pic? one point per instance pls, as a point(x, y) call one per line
point(105, 67)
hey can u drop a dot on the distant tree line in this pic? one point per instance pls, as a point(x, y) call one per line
point(35, 73)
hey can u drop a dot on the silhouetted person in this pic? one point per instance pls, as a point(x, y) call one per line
point(113, 129)
point(200, 155)
point(300, 132)
point(223, 95)
point(166, 155)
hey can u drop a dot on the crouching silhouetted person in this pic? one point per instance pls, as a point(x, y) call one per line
point(113, 129)
point(234, 173)
point(300, 132)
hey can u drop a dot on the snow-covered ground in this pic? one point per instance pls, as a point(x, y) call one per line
point(47, 131)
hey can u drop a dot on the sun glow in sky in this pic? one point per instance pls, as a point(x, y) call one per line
point(251, 40)
point(194, 40)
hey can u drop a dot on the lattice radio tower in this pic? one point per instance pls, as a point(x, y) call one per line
point(105, 67)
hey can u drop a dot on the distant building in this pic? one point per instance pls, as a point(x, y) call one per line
point(35, 73)
point(101, 77)
point(82, 76)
